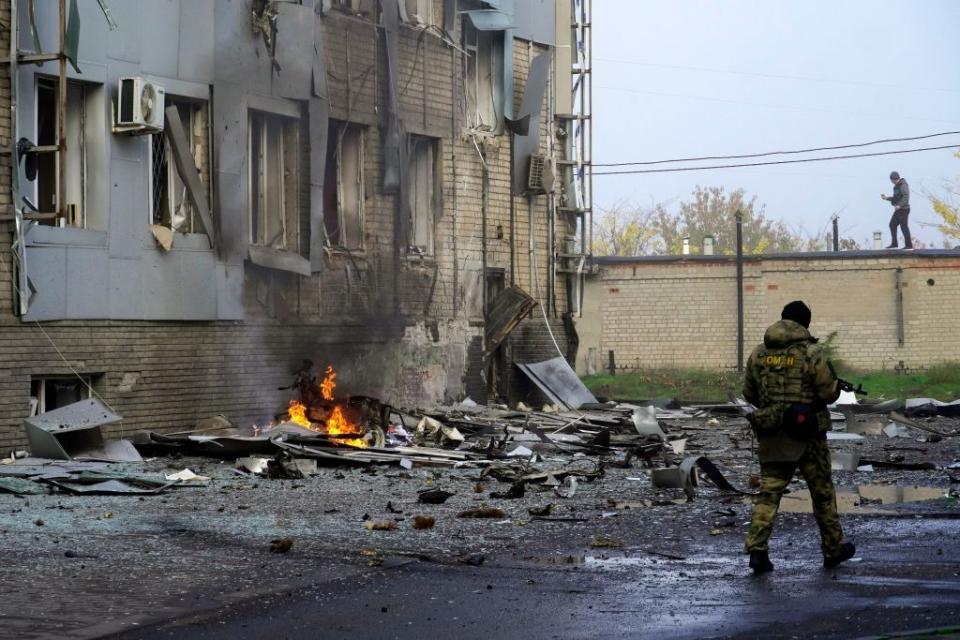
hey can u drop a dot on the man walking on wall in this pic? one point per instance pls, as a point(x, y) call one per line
point(901, 210)
point(790, 381)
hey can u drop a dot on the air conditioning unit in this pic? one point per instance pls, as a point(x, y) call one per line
point(140, 105)
point(540, 175)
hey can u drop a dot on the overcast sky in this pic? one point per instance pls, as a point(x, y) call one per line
point(685, 78)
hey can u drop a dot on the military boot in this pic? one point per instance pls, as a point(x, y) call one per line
point(760, 562)
point(844, 553)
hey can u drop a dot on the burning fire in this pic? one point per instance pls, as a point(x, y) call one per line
point(329, 383)
point(337, 421)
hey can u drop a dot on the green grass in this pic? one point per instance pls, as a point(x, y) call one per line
point(688, 384)
point(941, 381)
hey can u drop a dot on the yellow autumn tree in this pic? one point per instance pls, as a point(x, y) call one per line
point(624, 229)
point(948, 208)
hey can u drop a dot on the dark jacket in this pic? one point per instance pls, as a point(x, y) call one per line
point(901, 195)
point(788, 368)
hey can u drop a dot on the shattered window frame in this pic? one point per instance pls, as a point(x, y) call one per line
point(86, 153)
point(483, 67)
point(425, 180)
point(422, 12)
point(278, 179)
point(338, 220)
point(195, 115)
point(365, 8)
point(39, 390)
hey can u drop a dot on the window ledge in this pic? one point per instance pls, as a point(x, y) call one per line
point(38, 235)
point(416, 260)
point(340, 253)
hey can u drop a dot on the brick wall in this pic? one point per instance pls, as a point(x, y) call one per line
point(655, 313)
point(397, 327)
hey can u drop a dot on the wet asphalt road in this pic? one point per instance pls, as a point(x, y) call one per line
point(905, 577)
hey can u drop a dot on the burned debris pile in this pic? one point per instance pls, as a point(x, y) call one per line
point(570, 440)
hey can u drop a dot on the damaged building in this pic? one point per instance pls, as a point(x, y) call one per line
point(199, 195)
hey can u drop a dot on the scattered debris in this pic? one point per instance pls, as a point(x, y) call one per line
point(516, 490)
point(482, 512)
point(604, 542)
point(423, 522)
point(568, 489)
point(380, 525)
point(433, 496)
point(545, 510)
point(281, 545)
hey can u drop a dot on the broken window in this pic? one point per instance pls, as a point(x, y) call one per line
point(365, 7)
point(85, 132)
point(421, 11)
point(53, 392)
point(484, 70)
point(343, 192)
point(274, 181)
point(423, 192)
point(170, 205)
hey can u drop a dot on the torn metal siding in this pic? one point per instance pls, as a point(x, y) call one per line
point(295, 29)
point(392, 135)
point(530, 106)
point(230, 162)
point(535, 20)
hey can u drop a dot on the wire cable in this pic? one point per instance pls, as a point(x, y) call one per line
point(775, 153)
point(772, 162)
point(779, 76)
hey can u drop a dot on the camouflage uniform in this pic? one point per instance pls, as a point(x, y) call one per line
point(790, 369)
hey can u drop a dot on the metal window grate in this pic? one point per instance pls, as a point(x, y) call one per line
point(159, 176)
point(535, 175)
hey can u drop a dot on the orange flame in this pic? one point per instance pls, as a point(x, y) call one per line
point(337, 422)
point(329, 383)
point(298, 414)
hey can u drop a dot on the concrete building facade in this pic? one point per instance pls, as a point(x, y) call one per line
point(359, 166)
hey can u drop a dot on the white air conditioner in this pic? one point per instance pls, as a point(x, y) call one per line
point(140, 105)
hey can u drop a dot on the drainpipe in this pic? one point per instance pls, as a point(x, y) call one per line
point(739, 291)
point(513, 218)
point(531, 246)
point(900, 330)
point(484, 204)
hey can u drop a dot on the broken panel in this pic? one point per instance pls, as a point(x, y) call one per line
point(531, 105)
point(558, 382)
point(319, 115)
point(392, 142)
point(295, 28)
point(507, 308)
point(185, 163)
point(68, 431)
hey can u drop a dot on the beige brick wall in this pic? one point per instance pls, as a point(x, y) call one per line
point(683, 313)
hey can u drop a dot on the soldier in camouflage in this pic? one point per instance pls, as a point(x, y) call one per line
point(790, 381)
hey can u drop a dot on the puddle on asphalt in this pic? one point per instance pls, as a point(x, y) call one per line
point(863, 499)
point(614, 562)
